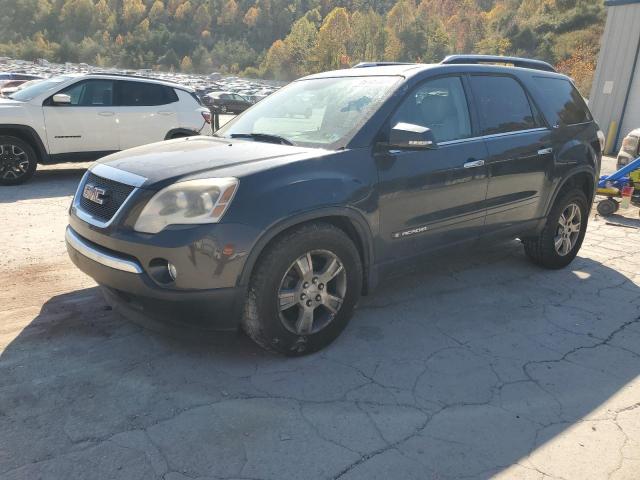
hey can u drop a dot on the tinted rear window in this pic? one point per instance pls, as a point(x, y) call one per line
point(503, 105)
point(137, 94)
point(564, 99)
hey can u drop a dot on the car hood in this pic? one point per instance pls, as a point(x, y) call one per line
point(203, 156)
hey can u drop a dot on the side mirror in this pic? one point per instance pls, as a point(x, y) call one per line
point(407, 136)
point(61, 99)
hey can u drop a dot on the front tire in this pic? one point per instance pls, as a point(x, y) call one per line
point(304, 290)
point(559, 241)
point(18, 161)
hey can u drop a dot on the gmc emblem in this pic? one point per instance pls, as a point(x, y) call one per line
point(95, 194)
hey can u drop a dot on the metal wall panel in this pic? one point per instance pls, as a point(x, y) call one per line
point(631, 117)
point(619, 46)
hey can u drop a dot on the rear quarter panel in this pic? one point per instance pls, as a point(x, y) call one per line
point(188, 114)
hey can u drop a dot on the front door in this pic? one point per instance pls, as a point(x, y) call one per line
point(435, 197)
point(87, 124)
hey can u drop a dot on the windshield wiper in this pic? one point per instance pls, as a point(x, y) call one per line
point(263, 137)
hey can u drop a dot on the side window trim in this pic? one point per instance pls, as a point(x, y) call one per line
point(493, 135)
point(540, 121)
point(474, 115)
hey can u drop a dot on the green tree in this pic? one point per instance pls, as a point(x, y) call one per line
point(333, 38)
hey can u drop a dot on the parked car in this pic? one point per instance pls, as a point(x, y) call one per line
point(6, 77)
point(630, 149)
point(13, 86)
point(87, 116)
point(279, 224)
point(227, 102)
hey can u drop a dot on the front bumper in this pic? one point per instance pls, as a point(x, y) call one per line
point(131, 290)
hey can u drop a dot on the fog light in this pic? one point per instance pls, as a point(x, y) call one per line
point(173, 271)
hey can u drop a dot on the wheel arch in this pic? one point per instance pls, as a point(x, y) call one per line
point(29, 135)
point(346, 219)
point(180, 133)
point(582, 178)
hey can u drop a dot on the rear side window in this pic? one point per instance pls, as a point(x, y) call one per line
point(502, 103)
point(140, 94)
point(564, 100)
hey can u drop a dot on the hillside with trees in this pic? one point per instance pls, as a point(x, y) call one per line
point(285, 39)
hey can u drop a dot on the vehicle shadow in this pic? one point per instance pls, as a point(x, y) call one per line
point(47, 182)
point(469, 366)
point(623, 220)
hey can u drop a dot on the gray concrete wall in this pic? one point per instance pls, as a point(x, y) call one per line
point(619, 47)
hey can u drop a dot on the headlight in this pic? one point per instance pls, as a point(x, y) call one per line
point(189, 202)
point(630, 145)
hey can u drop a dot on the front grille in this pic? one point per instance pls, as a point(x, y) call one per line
point(115, 195)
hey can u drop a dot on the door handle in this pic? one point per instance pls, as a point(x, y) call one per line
point(165, 112)
point(474, 163)
point(106, 114)
point(545, 151)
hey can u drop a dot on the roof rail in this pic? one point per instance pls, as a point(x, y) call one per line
point(130, 75)
point(379, 64)
point(515, 61)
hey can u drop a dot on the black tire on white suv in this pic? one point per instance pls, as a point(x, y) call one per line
point(18, 160)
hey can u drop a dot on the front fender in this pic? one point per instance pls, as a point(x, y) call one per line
point(338, 185)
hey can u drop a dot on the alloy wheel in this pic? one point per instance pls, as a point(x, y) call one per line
point(14, 162)
point(568, 229)
point(312, 292)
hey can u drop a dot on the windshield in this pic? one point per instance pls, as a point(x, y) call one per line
point(36, 89)
point(322, 112)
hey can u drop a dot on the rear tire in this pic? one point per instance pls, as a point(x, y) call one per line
point(296, 313)
point(556, 246)
point(18, 160)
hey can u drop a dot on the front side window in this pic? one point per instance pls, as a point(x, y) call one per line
point(91, 93)
point(567, 103)
point(439, 104)
point(317, 112)
point(141, 94)
point(502, 103)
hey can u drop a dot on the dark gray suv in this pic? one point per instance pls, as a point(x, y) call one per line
point(279, 223)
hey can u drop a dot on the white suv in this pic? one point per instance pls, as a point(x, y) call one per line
point(82, 117)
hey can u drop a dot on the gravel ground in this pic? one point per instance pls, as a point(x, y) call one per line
point(482, 366)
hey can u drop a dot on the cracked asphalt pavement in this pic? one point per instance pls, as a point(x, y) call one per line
point(479, 365)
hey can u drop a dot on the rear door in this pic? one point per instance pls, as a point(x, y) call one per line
point(146, 112)
point(87, 124)
point(432, 198)
point(520, 160)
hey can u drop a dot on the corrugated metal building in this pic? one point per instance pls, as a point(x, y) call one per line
point(615, 94)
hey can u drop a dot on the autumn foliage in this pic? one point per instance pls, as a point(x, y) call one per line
point(288, 38)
